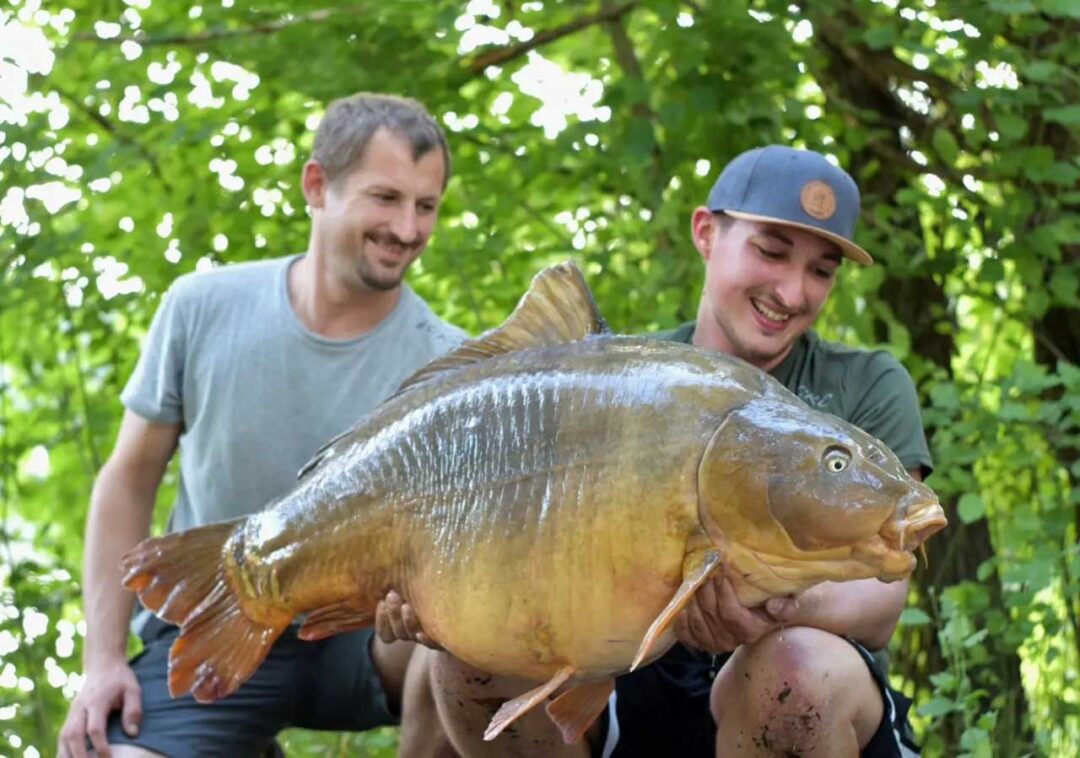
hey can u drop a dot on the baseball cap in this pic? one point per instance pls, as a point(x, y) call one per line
point(798, 188)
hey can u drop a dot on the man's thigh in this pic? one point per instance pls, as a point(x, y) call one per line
point(243, 724)
point(343, 690)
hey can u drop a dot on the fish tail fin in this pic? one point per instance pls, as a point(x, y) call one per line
point(181, 578)
point(173, 574)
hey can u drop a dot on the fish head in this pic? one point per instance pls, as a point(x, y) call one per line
point(796, 497)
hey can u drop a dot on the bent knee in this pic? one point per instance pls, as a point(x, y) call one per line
point(803, 677)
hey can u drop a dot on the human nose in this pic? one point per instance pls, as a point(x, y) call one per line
point(791, 290)
point(405, 225)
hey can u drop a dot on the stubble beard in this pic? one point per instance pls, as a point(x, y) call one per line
point(367, 272)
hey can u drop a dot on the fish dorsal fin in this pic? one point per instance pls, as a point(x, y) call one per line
point(558, 308)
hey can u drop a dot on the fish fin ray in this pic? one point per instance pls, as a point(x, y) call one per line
point(558, 308)
point(577, 708)
point(218, 648)
point(346, 616)
point(697, 567)
point(514, 709)
point(173, 574)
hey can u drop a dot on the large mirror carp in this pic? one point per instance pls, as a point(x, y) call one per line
point(548, 497)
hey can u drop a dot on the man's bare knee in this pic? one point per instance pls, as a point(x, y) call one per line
point(801, 689)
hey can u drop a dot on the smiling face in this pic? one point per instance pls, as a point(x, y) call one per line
point(375, 220)
point(764, 285)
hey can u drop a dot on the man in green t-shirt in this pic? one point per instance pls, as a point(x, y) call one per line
point(795, 676)
point(801, 680)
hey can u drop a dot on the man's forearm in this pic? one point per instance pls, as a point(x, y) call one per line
point(120, 514)
point(866, 610)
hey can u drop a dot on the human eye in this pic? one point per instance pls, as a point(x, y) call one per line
point(769, 254)
point(824, 273)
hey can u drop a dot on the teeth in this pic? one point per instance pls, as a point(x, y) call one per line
point(769, 312)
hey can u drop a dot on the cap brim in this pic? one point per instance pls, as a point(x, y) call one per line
point(848, 248)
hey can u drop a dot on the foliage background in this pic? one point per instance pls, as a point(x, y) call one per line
point(141, 140)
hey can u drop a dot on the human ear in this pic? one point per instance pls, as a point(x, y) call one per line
point(314, 182)
point(703, 230)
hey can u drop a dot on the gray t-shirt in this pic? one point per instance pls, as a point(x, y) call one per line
point(255, 391)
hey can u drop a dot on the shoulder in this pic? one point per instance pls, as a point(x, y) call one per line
point(223, 291)
point(875, 393)
point(682, 333)
point(857, 371)
point(223, 279)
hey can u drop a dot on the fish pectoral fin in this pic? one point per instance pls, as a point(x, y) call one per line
point(514, 709)
point(697, 567)
point(577, 708)
point(558, 308)
point(346, 616)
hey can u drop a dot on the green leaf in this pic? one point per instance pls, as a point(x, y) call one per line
point(914, 617)
point(974, 639)
point(970, 508)
point(1062, 8)
point(1068, 115)
point(879, 37)
point(1065, 286)
point(936, 707)
point(991, 271)
point(945, 144)
point(1010, 126)
point(1012, 6)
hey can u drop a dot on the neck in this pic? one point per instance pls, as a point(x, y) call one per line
point(331, 309)
point(709, 335)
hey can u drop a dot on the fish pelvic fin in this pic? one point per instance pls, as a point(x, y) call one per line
point(514, 709)
point(346, 616)
point(557, 308)
point(698, 566)
point(181, 578)
point(577, 708)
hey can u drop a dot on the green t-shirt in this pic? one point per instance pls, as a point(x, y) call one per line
point(868, 388)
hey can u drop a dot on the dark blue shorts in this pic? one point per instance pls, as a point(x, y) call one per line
point(663, 709)
point(328, 685)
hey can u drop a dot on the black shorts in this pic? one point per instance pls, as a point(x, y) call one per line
point(330, 685)
point(663, 709)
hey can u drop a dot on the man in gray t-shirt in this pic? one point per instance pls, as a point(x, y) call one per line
point(248, 370)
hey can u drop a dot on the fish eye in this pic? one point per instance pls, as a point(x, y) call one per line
point(836, 459)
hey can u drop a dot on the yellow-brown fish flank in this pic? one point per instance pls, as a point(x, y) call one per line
point(547, 498)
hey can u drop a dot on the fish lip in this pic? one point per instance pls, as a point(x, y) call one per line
point(928, 520)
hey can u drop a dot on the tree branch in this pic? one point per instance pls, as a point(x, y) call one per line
point(115, 131)
point(212, 35)
point(502, 55)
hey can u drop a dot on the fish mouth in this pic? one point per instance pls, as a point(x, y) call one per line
point(922, 521)
point(926, 521)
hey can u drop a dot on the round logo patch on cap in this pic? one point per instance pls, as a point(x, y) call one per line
point(818, 200)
